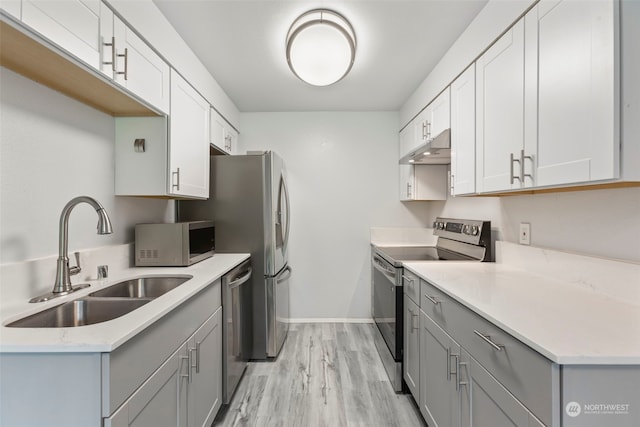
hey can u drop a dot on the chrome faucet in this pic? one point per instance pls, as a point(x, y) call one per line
point(62, 285)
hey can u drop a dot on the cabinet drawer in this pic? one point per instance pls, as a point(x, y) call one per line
point(440, 307)
point(527, 374)
point(411, 286)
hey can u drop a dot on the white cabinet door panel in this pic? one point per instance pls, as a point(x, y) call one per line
point(188, 141)
point(440, 114)
point(140, 69)
point(500, 110)
point(73, 25)
point(463, 133)
point(577, 85)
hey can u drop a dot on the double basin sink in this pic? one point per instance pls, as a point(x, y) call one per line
point(106, 304)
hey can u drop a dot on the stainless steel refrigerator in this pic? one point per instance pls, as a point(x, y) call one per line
point(249, 203)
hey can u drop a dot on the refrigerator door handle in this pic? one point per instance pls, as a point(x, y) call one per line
point(285, 238)
point(288, 271)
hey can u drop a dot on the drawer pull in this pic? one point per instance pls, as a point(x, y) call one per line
point(408, 279)
point(487, 339)
point(432, 299)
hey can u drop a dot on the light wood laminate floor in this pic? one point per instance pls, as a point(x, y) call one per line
point(327, 374)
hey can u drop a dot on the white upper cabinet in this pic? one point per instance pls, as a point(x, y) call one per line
point(572, 47)
point(423, 182)
point(463, 133)
point(74, 25)
point(160, 156)
point(89, 30)
point(500, 113)
point(223, 136)
point(128, 60)
point(427, 125)
point(438, 114)
point(189, 140)
point(139, 68)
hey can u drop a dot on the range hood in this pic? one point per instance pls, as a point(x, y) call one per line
point(436, 151)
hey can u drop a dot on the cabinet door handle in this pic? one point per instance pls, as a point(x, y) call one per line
point(408, 279)
point(413, 323)
point(457, 357)
point(198, 357)
point(487, 339)
point(522, 174)
point(424, 130)
point(188, 357)
point(126, 64)
point(513, 177)
point(176, 174)
point(408, 190)
point(113, 54)
point(432, 299)
point(461, 383)
point(451, 184)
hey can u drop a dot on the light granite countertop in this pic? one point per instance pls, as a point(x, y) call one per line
point(107, 336)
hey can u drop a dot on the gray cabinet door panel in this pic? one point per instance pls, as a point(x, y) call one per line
point(411, 352)
point(205, 395)
point(487, 403)
point(438, 394)
point(155, 402)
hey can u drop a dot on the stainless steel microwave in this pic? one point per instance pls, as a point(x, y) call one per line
point(174, 244)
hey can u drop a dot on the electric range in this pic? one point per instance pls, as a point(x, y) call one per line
point(458, 240)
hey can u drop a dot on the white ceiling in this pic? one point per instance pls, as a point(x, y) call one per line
point(242, 43)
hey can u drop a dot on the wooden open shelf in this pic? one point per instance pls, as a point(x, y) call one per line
point(45, 64)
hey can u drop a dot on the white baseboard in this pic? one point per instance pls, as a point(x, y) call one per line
point(330, 320)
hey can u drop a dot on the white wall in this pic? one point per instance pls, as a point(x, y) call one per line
point(603, 223)
point(52, 149)
point(343, 177)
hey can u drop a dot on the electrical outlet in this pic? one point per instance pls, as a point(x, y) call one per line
point(525, 233)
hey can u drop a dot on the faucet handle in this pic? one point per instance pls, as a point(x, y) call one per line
point(76, 269)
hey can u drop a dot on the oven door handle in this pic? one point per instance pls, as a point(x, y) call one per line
point(379, 264)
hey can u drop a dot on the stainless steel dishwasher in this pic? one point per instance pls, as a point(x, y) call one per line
point(235, 328)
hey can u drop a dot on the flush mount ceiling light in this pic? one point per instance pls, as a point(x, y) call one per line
point(321, 47)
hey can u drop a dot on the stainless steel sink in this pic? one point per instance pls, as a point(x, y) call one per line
point(142, 287)
point(80, 312)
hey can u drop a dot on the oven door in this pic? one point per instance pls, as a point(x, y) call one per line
point(387, 294)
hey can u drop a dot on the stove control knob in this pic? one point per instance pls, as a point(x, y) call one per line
point(466, 229)
point(435, 225)
point(474, 230)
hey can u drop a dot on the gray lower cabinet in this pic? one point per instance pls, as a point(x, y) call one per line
point(411, 353)
point(185, 391)
point(169, 374)
point(439, 354)
point(466, 378)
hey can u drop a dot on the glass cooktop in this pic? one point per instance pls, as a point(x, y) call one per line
point(397, 254)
